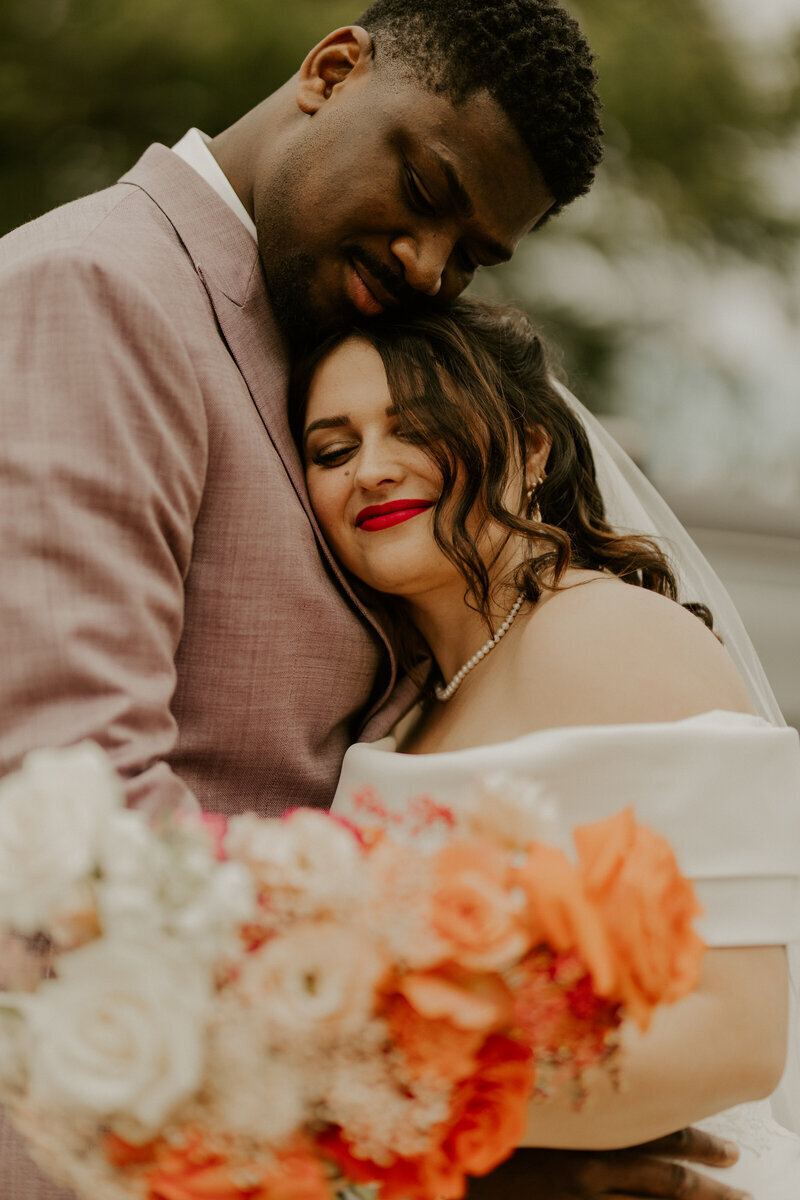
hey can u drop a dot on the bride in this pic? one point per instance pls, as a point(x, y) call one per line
point(449, 473)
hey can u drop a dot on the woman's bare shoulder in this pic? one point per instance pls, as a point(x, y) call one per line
point(612, 652)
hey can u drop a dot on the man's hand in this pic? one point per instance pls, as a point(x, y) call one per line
point(656, 1169)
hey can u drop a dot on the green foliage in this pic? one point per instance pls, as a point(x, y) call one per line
point(684, 110)
point(684, 203)
point(86, 85)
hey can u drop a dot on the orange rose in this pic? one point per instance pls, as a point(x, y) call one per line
point(195, 1171)
point(631, 874)
point(432, 1047)
point(125, 1154)
point(562, 915)
point(474, 907)
point(299, 1177)
point(403, 1179)
point(490, 1108)
point(487, 1121)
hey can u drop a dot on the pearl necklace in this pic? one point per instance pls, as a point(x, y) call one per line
point(445, 691)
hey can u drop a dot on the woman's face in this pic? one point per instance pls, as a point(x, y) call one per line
point(372, 490)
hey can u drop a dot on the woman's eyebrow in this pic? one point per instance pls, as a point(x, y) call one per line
point(337, 422)
point(325, 423)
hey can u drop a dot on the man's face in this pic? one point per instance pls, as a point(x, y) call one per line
point(391, 198)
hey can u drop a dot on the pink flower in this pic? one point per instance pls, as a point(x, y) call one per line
point(216, 826)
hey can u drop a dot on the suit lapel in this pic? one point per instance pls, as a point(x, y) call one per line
point(226, 260)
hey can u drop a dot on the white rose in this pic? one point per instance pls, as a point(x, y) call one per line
point(131, 861)
point(120, 1033)
point(52, 815)
point(129, 848)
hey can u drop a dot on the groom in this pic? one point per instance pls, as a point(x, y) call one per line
point(164, 589)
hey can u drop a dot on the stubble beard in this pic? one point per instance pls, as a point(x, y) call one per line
point(289, 279)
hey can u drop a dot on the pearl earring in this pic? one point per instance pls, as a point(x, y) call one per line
point(534, 513)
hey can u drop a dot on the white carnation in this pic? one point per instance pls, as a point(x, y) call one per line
point(120, 1033)
point(210, 920)
point(53, 813)
point(308, 854)
point(172, 883)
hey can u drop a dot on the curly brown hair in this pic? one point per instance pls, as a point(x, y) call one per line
point(472, 385)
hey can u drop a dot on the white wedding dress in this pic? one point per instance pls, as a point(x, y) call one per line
point(724, 788)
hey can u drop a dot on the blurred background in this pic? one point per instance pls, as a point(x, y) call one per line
point(673, 289)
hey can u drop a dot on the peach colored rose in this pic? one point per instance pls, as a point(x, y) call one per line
point(563, 916)
point(318, 980)
point(632, 876)
point(475, 908)
point(466, 1000)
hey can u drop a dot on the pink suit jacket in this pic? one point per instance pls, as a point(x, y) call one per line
point(163, 586)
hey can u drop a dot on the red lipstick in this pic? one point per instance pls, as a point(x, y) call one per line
point(383, 516)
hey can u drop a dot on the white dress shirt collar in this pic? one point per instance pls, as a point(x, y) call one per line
point(193, 149)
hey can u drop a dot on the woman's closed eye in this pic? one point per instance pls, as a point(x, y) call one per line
point(333, 455)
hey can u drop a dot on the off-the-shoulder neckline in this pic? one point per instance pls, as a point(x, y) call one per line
point(713, 718)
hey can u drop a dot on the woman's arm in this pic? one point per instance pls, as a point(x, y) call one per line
point(613, 654)
point(724, 1044)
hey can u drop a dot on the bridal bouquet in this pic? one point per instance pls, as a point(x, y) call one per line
point(260, 1009)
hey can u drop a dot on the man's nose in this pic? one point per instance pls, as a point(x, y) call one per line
point(423, 259)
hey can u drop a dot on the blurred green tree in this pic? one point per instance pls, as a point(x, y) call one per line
point(684, 108)
point(86, 85)
point(697, 126)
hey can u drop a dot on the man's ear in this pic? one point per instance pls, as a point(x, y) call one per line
point(346, 53)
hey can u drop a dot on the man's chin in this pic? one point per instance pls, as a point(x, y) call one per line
point(289, 286)
point(305, 319)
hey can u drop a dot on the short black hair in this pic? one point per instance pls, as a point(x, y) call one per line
point(529, 55)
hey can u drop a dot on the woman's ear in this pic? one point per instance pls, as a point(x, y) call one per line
point(342, 55)
point(537, 452)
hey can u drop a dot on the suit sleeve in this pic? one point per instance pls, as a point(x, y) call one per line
point(103, 449)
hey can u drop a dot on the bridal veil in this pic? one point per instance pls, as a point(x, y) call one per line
point(632, 503)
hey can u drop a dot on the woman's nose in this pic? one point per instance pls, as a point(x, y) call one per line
point(377, 466)
point(423, 259)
